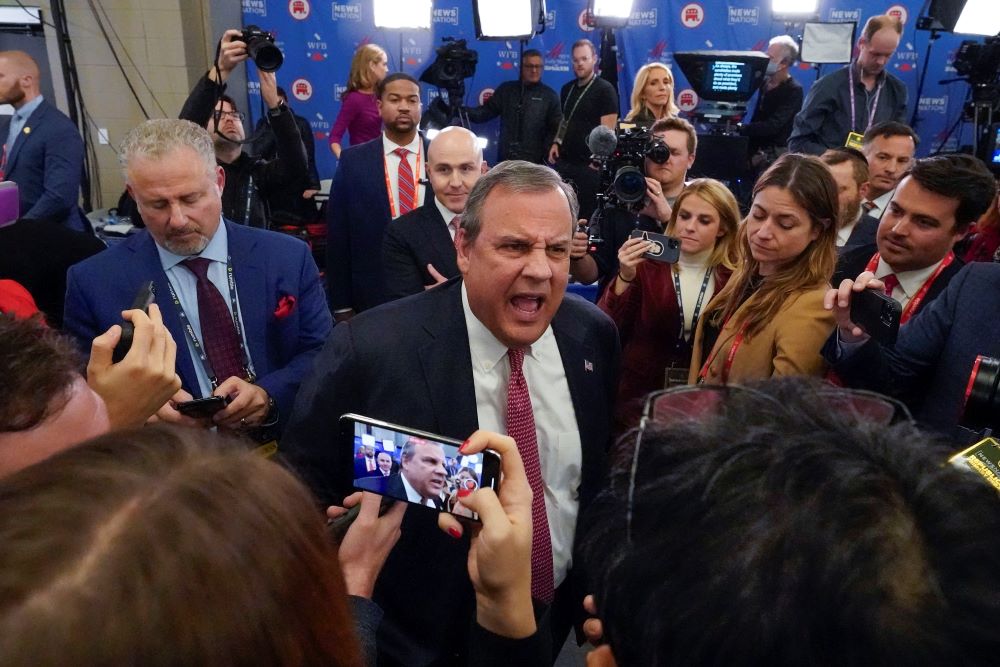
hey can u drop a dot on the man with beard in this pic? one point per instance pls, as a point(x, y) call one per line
point(250, 181)
point(850, 171)
point(247, 303)
point(376, 182)
point(43, 150)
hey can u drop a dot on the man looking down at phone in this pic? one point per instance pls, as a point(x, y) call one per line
point(501, 348)
point(247, 302)
point(932, 209)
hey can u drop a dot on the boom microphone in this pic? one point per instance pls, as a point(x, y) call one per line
point(602, 141)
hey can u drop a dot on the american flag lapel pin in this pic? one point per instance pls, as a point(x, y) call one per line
point(587, 366)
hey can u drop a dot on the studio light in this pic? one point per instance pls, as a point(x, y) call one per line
point(610, 13)
point(403, 14)
point(507, 19)
point(979, 17)
point(824, 43)
point(794, 7)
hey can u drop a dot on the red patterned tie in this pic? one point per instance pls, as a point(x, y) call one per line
point(218, 332)
point(891, 282)
point(521, 427)
point(404, 180)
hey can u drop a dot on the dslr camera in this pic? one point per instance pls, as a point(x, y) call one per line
point(261, 49)
point(623, 172)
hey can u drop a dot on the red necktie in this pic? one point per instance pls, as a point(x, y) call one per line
point(218, 331)
point(404, 182)
point(521, 427)
point(868, 205)
point(891, 282)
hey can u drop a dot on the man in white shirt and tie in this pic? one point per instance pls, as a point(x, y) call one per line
point(889, 148)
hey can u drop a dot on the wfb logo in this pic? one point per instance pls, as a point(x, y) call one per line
point(254, 7)
point(484, 95)
point(906, 58)
point(346, 12)
point(744, 15)
point(445, 15)
point(320, 126)
point(316, 48)
point(692, 15)
point(687, 100)
point(899, 13)
point(507, 57)
point(299, 9)
point(302, 90)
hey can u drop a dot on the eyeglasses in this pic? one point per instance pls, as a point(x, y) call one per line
point(701, 403)
point(235, 115)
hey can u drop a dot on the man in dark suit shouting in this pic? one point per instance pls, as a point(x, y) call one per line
point(421, 479)
point(501, 348)
point(418, 251)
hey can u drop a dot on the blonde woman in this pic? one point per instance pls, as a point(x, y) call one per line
point(652, 95)
point(769, 319)
point(359, 115)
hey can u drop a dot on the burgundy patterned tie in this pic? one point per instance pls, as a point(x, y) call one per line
point(521, 427)
point(218, 332)
point(891, 282)
point(404, 182)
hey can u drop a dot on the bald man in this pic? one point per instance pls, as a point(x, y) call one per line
point(418, 251)
point(43, 150)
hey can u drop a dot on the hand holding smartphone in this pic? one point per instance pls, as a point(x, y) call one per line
point(143, 298)
point(878, 314)
point(202, 408)
point(665, 248)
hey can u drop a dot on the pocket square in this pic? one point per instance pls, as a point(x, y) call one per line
point(286, 305)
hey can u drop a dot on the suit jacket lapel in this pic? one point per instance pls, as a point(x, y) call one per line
point(578, 357)
point(252, 291)
point(22, 136)
point(439, 241)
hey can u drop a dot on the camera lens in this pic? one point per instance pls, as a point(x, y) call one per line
point(261, 49)
point(982, 408)
point(658, 152)
point(629, 185)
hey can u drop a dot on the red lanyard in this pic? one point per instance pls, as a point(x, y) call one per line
point(388, 184)
point(914, 303)
point(728, 365)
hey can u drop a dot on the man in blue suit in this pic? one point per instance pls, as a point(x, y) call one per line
point(43, 150)
point(376, 182)
point(247, 302)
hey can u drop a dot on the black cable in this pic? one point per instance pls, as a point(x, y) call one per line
point(137, 69)
point(114, 54)
point(961, 116)
point(43, 21)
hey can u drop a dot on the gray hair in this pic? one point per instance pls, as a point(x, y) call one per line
point(410, 446)
point(155, 138)
point(791, 47)
point(516, 176)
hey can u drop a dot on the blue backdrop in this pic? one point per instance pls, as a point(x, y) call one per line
point(318, 38)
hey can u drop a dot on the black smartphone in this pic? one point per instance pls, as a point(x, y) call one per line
point(415, 466)
point(665, 248)
point(202, 408)
point(143, 298)
point(876, 313)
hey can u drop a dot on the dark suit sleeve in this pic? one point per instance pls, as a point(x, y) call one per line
point(79, 318)
point(338, 247)
point(62, 170)
point(309, 143)
point(200, 102)
point(402, 275)
point(290, 167)
point(314, 327)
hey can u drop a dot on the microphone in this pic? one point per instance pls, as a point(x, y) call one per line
point(602, 142)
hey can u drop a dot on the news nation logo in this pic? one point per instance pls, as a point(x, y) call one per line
point(346, 12)
point(845, 15)
point(302, 90)
point(899, 13)
point(339, 90)
point(938, 105)
point(316, 48)
point(687, 100)
point(299, 9)
point(254, 7)
point(692, 15)
point(744, 15)
point(484, 95)
point(445, 15)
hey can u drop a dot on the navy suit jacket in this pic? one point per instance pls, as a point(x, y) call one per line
point(408, 362)
point(266, 265)
point(933, 356)
point(46, 162)
point(413, 241)
point(863, 234)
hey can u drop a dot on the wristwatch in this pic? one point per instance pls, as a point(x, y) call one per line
point(276, 111)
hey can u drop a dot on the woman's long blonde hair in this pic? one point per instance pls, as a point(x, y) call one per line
point(810, 183)
point(641, 78)
point(718, 196)
point(360, 77)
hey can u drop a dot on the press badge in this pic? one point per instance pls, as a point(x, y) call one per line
point(984, 458)
point(854, 140)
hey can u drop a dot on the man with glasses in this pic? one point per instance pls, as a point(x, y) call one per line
point(529, 112)
point(249, 181)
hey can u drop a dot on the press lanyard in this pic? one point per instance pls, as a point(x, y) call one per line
point(189, 329)
point(871, 110)
point(697, 305)
point(916, 299)
point(246, 213)
point(569, 116)
point(728, 365)
point(388, 184)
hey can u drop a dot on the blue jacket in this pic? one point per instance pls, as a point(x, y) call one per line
point(267, 266)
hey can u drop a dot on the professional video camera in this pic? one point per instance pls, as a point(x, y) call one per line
point(979, 62)
point(982, 401)
point(455, 63)
point(261, 49)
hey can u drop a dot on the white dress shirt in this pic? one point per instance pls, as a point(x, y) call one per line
point(448, 215)
point(413, 496)
point(559, 448)
point(186, 286)
point(910, 282)
point(392, 167)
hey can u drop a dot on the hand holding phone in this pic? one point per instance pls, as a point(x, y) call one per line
point(665, 248)
point(878, 314)
point(202, 408)
point(143, 298)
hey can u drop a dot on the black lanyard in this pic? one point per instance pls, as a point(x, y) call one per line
point(697, 305)
point(569, 116)
point(189, 330)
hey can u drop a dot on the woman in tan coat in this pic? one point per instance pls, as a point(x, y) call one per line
point(769, 319)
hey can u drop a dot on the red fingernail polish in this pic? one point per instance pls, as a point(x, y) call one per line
point(461, 450)
point(455, 532)
point(462, 493)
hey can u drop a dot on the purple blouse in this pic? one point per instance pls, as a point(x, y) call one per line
point(358, 117)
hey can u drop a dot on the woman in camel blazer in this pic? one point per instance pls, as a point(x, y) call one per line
point(769, 319)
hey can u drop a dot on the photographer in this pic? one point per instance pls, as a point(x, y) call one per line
point(249, 181)
point(664, 180)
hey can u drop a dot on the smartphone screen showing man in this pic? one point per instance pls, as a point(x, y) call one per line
point(416, 467)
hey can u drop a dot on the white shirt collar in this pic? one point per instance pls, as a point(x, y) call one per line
point(883, 201)
point(412, 495)
point(388, 146)
point(909, 281)
point(217, 249)
point(445, 212)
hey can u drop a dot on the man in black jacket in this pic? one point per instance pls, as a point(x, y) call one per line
point(529, 113)
point(249, 180)
point(780, 99)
